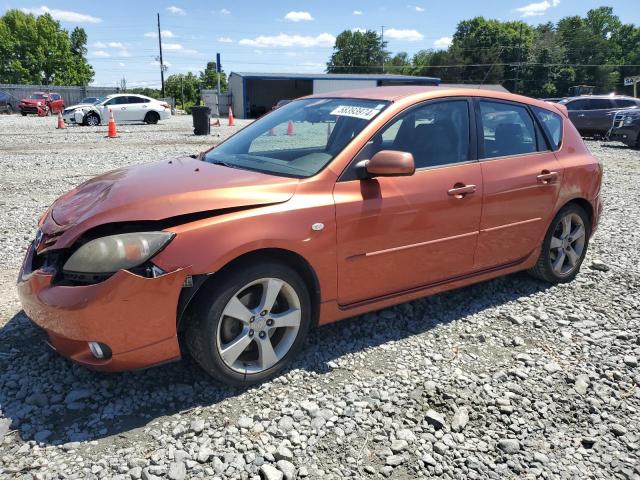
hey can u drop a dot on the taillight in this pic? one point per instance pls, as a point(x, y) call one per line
point(165, 105)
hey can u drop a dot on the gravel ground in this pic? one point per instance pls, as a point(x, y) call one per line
point(507, 379)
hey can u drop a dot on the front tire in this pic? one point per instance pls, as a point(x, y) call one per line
point(249, 323)
point(564, 246)
point(92, 120)
point(151, 118)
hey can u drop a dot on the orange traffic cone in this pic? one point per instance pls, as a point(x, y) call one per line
point(231, 117)
point(290, 128)
point(61, 124)
point(113, 132)
point(215, 123)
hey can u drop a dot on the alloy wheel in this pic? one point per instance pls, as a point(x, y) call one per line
point(567, 244)
point(259, 325)
point(92, 121)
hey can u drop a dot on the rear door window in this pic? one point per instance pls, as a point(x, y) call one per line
point(576, 105)
point(507, 129)
point(552, 123)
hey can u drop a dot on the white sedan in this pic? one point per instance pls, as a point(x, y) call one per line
point(126, 108)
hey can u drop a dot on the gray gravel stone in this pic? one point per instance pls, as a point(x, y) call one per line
point(269, 472)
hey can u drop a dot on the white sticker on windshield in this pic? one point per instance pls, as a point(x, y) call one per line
point(356, 112)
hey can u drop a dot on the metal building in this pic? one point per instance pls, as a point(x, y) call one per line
point(254, 94)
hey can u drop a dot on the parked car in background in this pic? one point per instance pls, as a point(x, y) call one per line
point(126, 108)
point(8, 103)
point(41, 104)
point(89, 100)
point(626, 127)
point(593, 115)
point(240, 250)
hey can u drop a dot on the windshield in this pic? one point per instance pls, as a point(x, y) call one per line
point(299, 139)
point(37, 96)
point(99, 100)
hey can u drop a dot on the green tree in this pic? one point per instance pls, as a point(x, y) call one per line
point(37, 50)
point(184, 88)
point(209, 78)
point(358, 52)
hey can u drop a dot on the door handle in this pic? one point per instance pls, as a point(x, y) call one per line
point(547, 177)
point(581, 115)
point(460, 190)
point(123, 108)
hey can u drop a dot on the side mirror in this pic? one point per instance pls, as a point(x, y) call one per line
point(387, 163)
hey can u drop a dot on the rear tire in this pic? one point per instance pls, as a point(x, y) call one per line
point(248, 323)
point(23, 114)
point(564, 246)
point(151, 118)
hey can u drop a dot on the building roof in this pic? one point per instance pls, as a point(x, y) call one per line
point(335, 76)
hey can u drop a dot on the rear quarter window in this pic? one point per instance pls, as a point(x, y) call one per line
point(552, 124)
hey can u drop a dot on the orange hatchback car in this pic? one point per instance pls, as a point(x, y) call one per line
point(326, 208)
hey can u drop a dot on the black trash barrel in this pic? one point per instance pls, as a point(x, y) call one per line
point(201, 124)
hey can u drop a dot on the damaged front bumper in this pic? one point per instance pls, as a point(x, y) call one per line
point(133, 316)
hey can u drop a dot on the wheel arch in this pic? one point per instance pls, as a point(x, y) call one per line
point(287, 257)
point(584, 204)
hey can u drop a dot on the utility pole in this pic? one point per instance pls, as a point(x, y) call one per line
point(161, 62)
point(515, 82)
point(382, 42)
point(182, 89)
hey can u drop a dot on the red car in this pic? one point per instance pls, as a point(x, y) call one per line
point(41, 104)
point(380, 196)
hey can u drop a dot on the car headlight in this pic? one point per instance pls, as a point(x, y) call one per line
point(628, 120)
point(117, 252)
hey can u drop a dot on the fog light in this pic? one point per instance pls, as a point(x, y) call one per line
point(99, 350)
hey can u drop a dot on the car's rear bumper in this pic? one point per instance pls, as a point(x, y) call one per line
point(133, 315)
point(165, 115)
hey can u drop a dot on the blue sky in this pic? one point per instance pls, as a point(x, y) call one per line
point(274, 36)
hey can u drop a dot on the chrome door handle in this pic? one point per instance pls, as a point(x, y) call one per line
point(547, 177)
point(459, 190)
point(123, 108)
point(581, 115)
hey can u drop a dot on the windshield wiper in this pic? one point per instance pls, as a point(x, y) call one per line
point(224, 164)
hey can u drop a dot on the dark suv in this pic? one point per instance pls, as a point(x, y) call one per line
point(8, 103)
point(593, 115)
point(626, 127)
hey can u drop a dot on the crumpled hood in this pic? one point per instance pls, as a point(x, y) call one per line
point(158, 191)
point(33, 101)
point(80, 105)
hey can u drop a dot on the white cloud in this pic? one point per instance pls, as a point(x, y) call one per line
point(224, 11)
point(176, 10)
point(284, 40)
point(122, 64)
point(357, 12)
point(100, 54)
point(418, 8)
point(99, 45)
point(537, 9)
point(119, 45)
point(165, 34)
point(225, 40)
point(443, 42)
point(177, 47)
point(63, 15)
point(404, 34)
point(298, 16)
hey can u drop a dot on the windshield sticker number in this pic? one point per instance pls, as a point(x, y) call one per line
point(356, 112)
